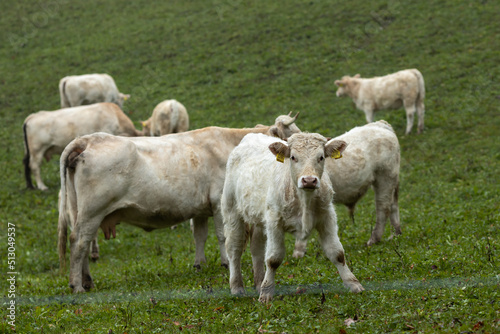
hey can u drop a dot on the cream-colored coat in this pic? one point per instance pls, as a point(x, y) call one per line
point(77, 90)
point(169, 116)
point(401, 89)
point(48, 132)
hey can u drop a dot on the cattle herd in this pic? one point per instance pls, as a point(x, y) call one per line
point(257, 183)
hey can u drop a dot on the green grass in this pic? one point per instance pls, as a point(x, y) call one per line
point(236, 64)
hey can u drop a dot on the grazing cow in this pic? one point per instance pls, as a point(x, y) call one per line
point(271, 198)
point(77, 90)
point(149, 182)
point(404, 88)
point(371, 159)
point(169, 116)
point(48, 132)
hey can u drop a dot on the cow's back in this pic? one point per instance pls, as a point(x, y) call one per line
point(371, 148)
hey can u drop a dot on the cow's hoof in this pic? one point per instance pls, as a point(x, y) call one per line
point(225, 265)
point(79, 289)
point(356, 287)
point(94, 257)
point(197, 267)
point(298, 254)
point(238, 291)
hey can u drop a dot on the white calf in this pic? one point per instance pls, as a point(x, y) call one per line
point(274, 198)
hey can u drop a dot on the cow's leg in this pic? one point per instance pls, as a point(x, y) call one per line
point(275, 253)
point(80, 244)
point(35, 163)
point(335, 252)
point(421, 114)
point(369, 115)
point(258, 250)
point(95, 249)
point(200, 234)
point(235, 244)
point(300, 248)
point(394, 216)
point(385, 188)
point(410, 114)
point(219, 232)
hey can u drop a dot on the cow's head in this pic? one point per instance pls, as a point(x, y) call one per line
point(146, 127)
point(284, 126)
point(122, 98)
point(306, 154)
point(345, 85)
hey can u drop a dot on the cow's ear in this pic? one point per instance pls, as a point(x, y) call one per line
point(280, 150)
point(126, 97)
point(334, 148)
point(273, 131)
point(357, 76)
point(337, 82)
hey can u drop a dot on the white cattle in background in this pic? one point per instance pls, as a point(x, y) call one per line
point(371, 159)
point(404, 88)
point(149, 182)
point(270, 198)
point(48, 132)
point(77, 90)
point(169, 116)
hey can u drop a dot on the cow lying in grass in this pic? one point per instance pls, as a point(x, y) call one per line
point(404, 88)
point(149, 182)
point(272, 198)
point(48, 132)
point(371, 160)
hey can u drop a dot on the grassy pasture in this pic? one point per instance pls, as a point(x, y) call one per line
point(239, 63)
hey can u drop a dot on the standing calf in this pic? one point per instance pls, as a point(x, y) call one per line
point(271, 198)
point(48, 132)
point(404, 88)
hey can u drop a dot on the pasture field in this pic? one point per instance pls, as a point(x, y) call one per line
point(238, 63)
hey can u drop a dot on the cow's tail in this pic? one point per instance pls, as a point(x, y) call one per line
point(67, 195)
point(421, 85)
point(26, 159)
point(62, 91)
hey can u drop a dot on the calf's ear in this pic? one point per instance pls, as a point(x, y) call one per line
point(357, 76)
point(334, 148)
point(280, 150)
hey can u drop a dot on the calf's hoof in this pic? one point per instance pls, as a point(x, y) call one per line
point(79, 289)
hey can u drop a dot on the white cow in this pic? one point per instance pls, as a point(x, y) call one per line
point(371, 159)
point(77, 90)
point(149, 182)
point(169, 116)
point(48, 132)
point(404, 88)
point(273, 198)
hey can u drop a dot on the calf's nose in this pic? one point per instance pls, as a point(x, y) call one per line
point(309, 182)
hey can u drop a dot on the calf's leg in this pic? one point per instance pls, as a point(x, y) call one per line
point(235, 244)
point(335, 253)
point(275, 253)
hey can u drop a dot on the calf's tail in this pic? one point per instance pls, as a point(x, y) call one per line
point(421, 85)
point(26, 160)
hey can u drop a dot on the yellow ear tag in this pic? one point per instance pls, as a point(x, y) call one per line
point(280, 157)
point(336, 154)
point(143, 124)
point(125, 98)
point(341, 85)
